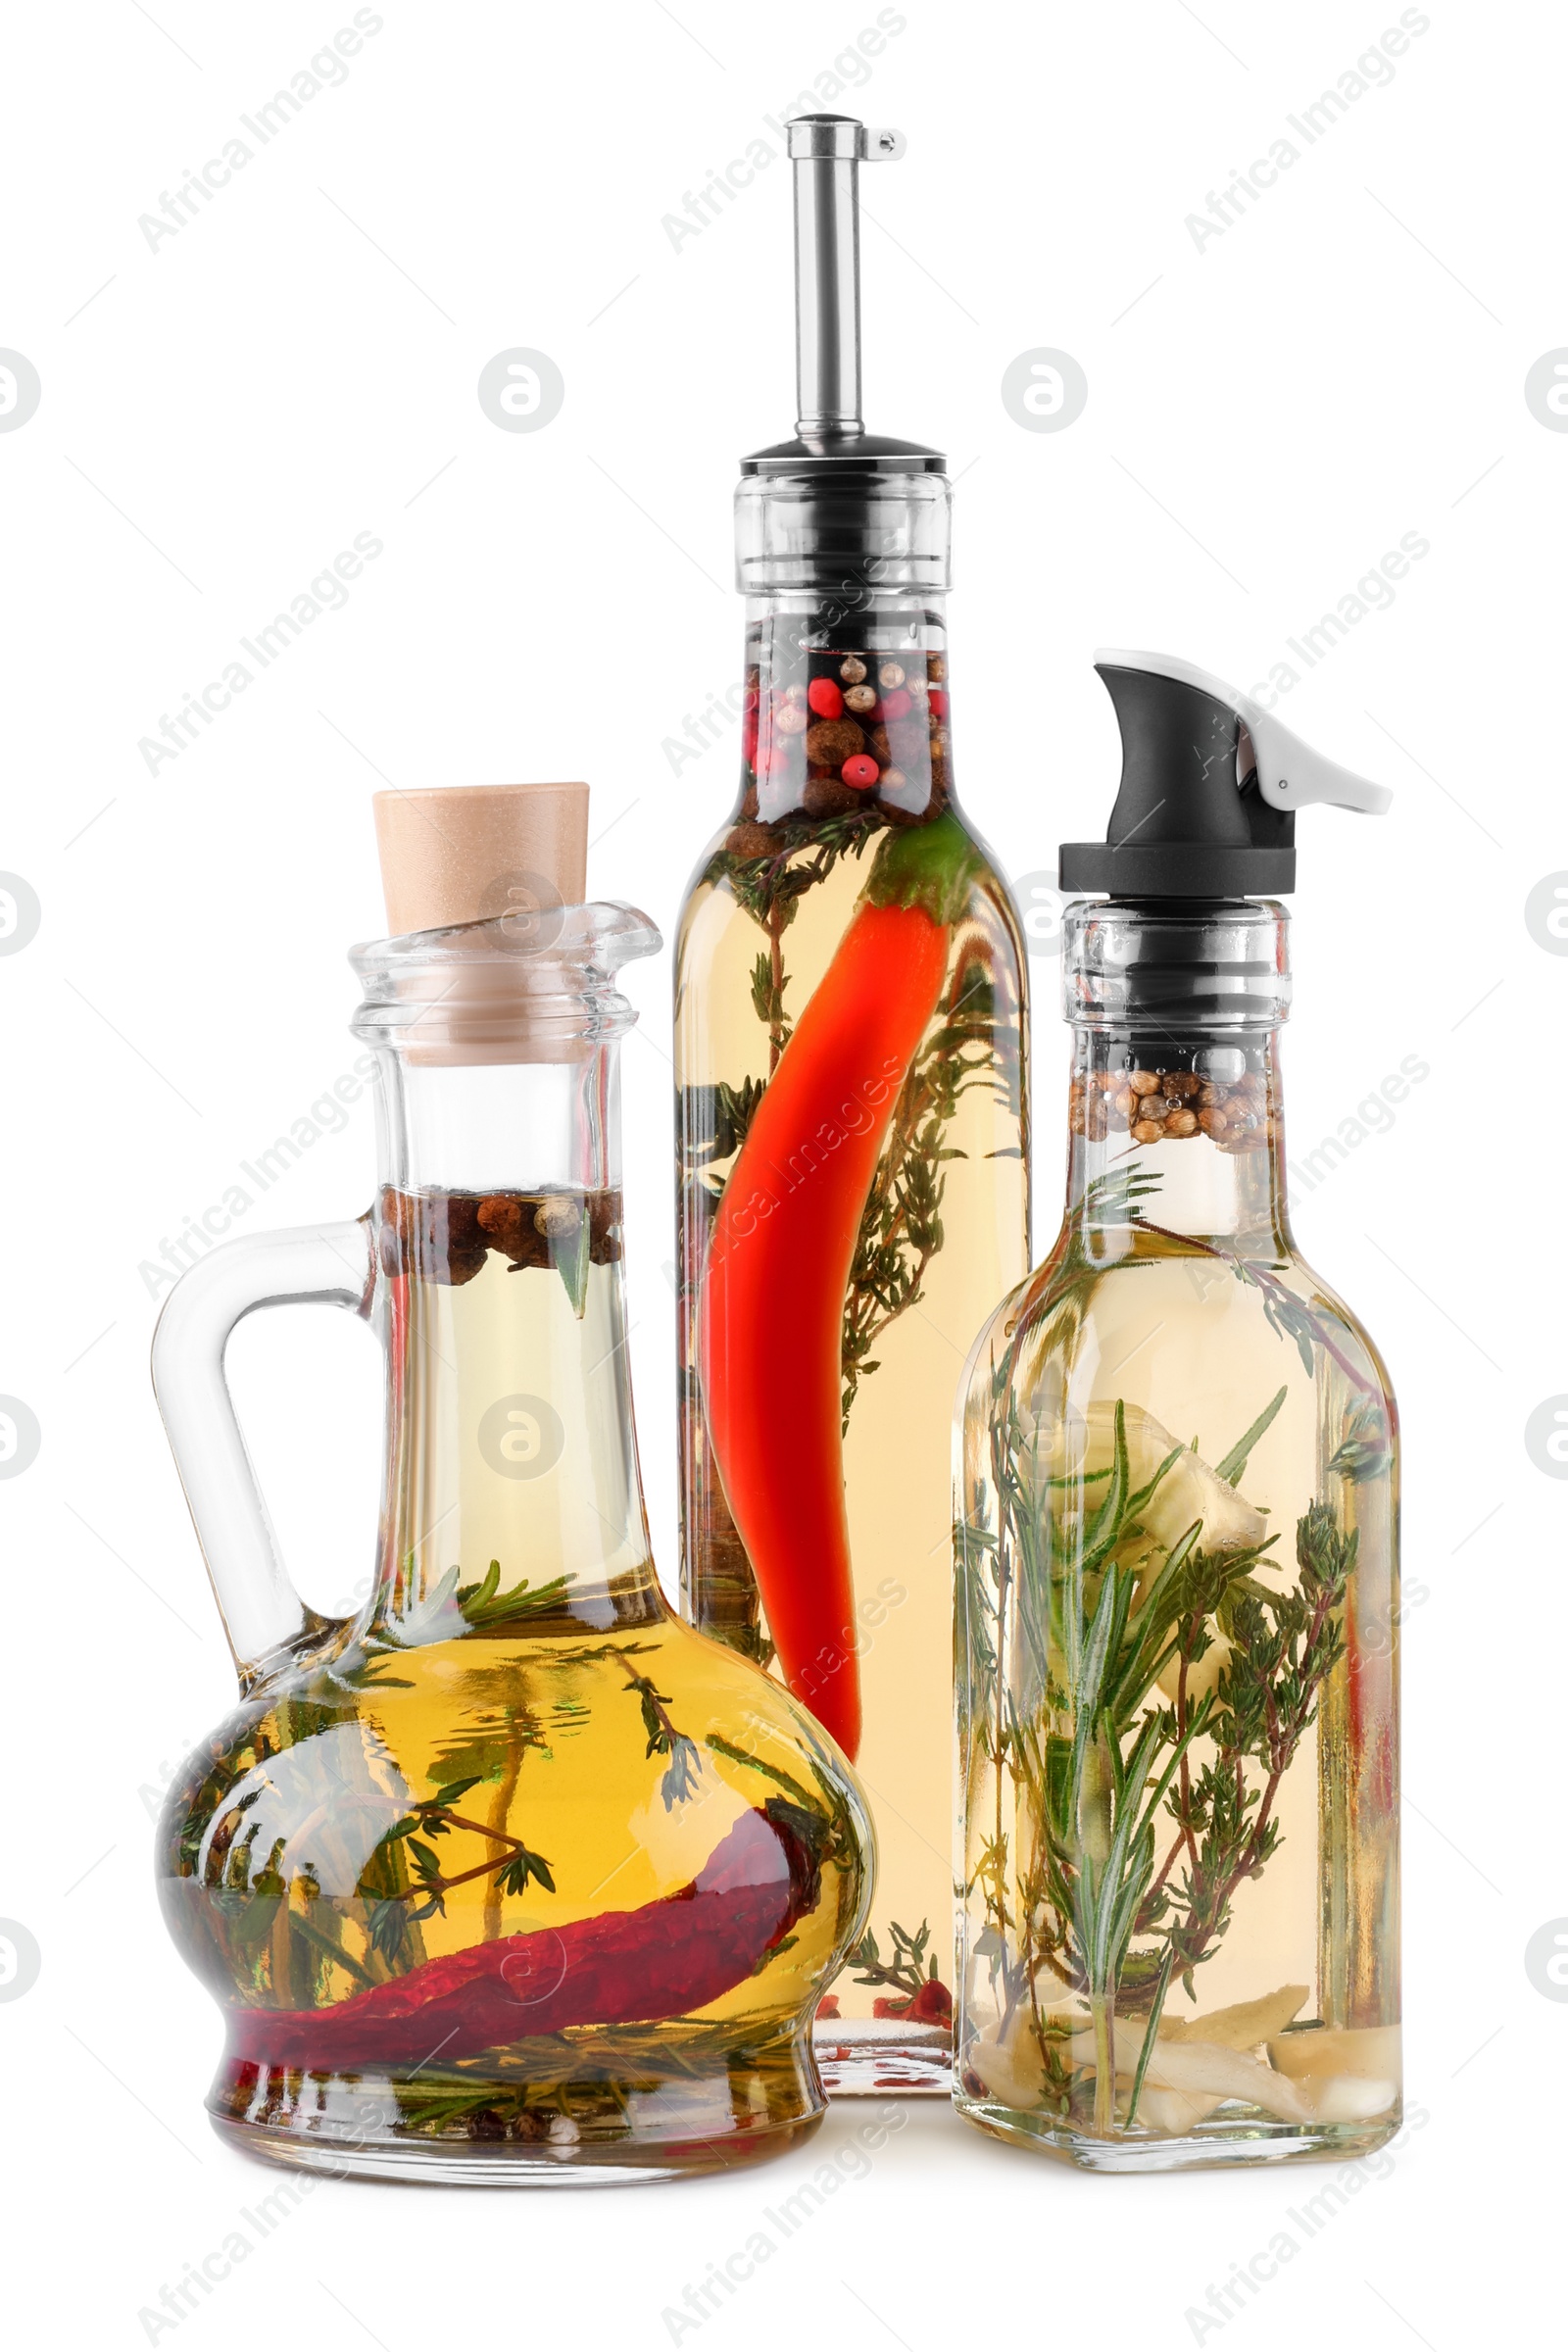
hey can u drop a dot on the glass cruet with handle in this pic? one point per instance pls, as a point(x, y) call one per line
point(513, 1878)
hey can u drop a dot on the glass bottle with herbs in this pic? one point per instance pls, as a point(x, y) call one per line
point(850, 1025)
point(514, 1877)
point(1177, 1525)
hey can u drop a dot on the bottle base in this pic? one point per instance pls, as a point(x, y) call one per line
point(507, 2166)
point(879, 2057)
point(640, 2104)
point(1239, 2136)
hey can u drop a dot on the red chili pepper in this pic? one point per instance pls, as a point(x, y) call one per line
point(771, 1310)
point(672, 1957)
point(825, 699)
point(932, 2005)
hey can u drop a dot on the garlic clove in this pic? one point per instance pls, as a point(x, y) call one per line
point(1243, 2025)
point(1173, 2112)
point(1078, 1443)
point(1010, 2070)
point(1370, 2053)
point(1346, 2098)
point(1206, 2068)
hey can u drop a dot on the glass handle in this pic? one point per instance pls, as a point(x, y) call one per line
point(268, 1623)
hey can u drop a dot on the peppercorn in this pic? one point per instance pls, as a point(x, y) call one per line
point(790, 719)
point(557, 1215)
point(860, 699)
point(500, 1216)
point(795, 694)
point(859, 771)
point(936, 668)
point(939, 702)
point(826, 796)
point(1182, 1122)
point(1148, 1131)
point(891, 673)
point(825, 698)
point(752, 841)
point(851, 669)
point(1211, 1118)
point(832, 741)
point(1142, 1082)
point(896, 704)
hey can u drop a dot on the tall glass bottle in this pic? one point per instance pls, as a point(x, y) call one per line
point(514, 1878)
point(852, 1139)
point(1178, 1512)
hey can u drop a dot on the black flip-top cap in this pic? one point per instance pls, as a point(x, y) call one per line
point(1184, 825)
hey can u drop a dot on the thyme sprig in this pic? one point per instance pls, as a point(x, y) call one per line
point(429, 1883)
point(770, 887)
point(908, 1967)
point(685, 1766)
point(900, 1226)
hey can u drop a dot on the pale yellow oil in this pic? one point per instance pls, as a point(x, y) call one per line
point(897, 1443)
point(1171, 1331)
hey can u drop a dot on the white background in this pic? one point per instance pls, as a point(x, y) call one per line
point(1268, 413)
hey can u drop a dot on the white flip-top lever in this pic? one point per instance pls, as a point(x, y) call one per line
point(1289, 773)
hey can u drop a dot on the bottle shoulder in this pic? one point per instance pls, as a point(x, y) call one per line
point(1206, 1300)
point(753, 877)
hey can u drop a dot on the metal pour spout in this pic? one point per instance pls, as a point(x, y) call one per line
point(827, 151)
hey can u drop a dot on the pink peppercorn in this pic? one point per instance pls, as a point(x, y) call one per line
point(939, 702)
point(896, 704)
point(825, 698)
point(859, 771)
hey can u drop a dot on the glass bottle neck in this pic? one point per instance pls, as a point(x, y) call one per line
point(1187, 1136)
point(513, 1501)
point(847, 706)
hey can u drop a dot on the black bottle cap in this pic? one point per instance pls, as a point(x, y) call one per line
point(1209, 788)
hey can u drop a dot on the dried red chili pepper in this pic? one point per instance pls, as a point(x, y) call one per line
point(771, 1310)
point(619, 1968)
point(932, 2005)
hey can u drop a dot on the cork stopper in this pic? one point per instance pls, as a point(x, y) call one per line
point(467, 853)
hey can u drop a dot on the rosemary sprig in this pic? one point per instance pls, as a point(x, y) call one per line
point(485, 1606)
